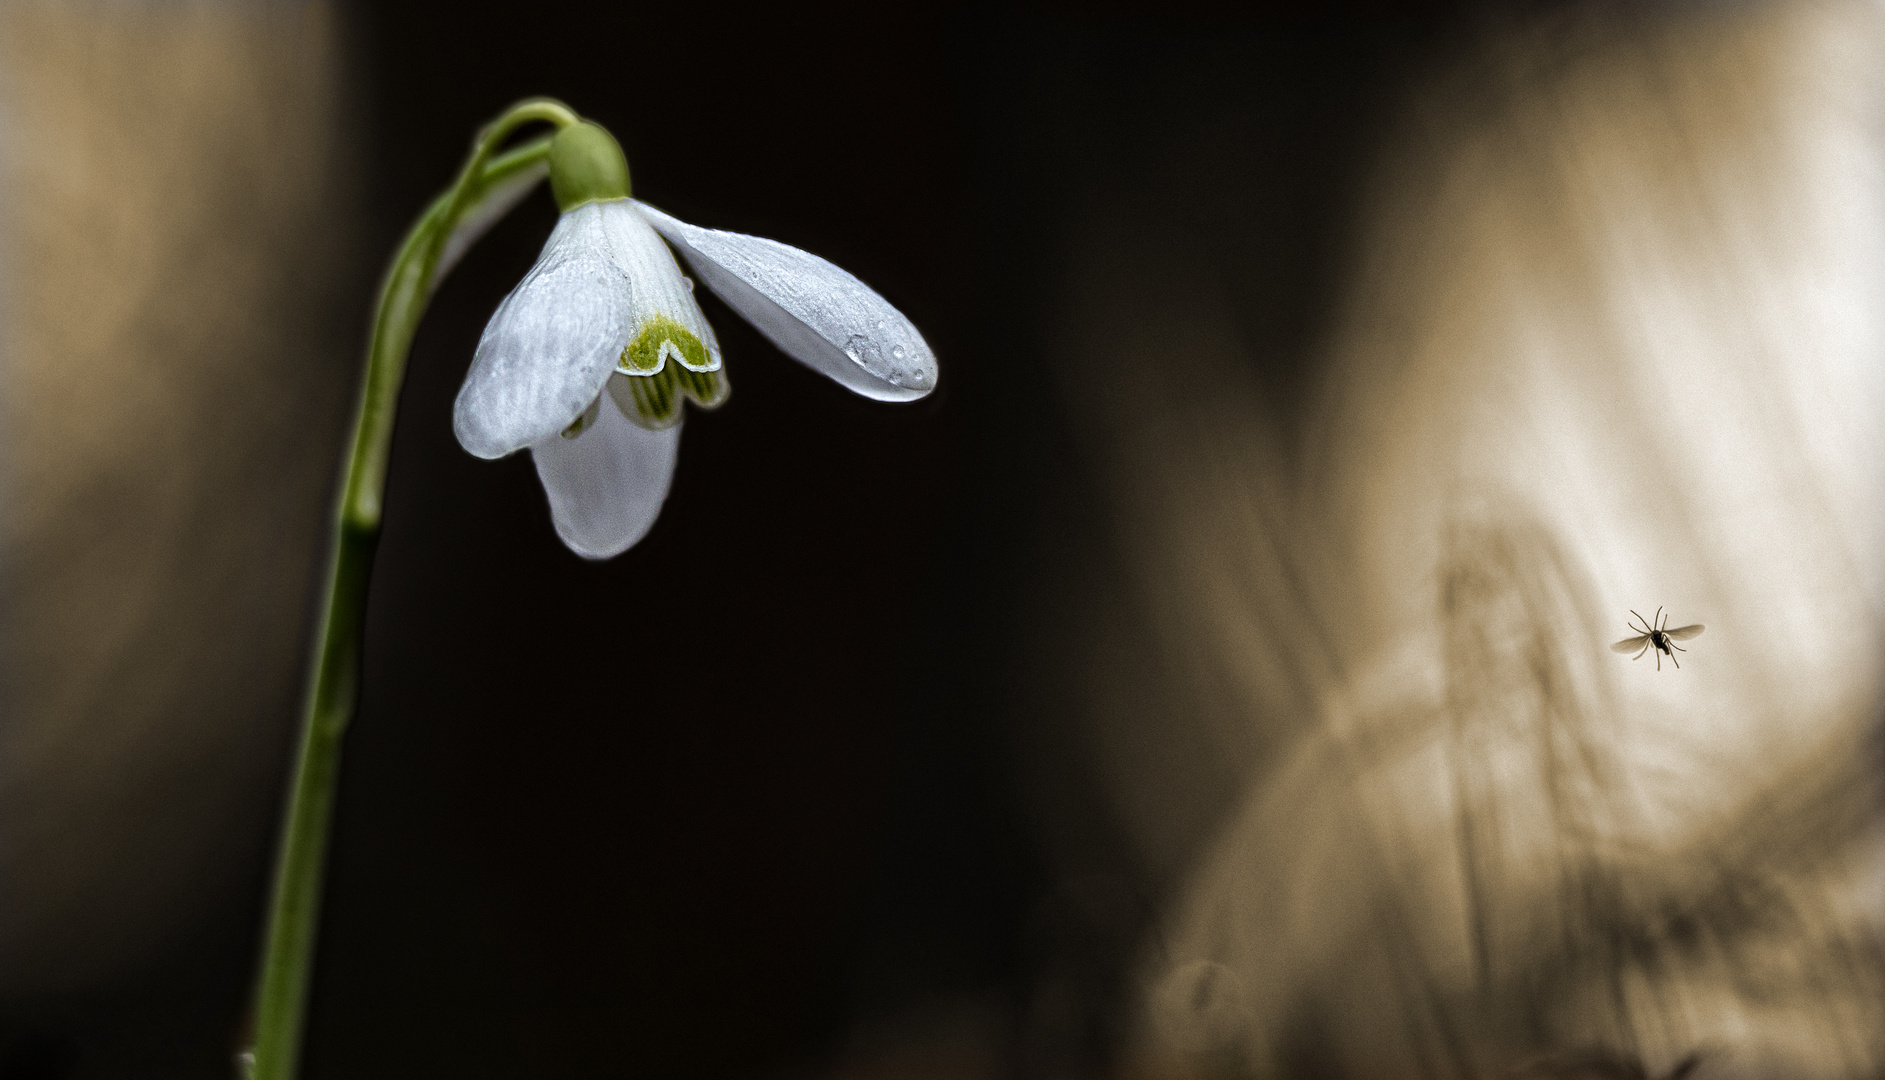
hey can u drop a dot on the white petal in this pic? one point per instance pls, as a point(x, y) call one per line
point(655, 281)
point(814, 312)
point(552, 342)
point(606, 485)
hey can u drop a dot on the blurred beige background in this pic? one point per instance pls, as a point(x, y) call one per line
point(176, 204)
point(1611, 336)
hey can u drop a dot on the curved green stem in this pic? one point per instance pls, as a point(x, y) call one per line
point(487, 187)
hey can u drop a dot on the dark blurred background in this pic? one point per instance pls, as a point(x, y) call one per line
point(764, 820)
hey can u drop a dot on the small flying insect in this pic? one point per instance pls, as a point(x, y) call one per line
point(1660, 638)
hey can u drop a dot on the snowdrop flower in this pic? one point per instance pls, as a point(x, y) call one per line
point(588, 361)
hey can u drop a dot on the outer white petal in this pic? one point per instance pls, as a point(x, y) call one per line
point(655, 278)
point(552, 342)
point(813, 311)
point(606, 485)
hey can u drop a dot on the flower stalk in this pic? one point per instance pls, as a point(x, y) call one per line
point(488, 186)
point(585, 364)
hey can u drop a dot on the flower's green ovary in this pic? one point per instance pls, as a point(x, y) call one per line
point(586, 165)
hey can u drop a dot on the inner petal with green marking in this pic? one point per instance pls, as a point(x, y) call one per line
point(661, 339)
point(654, 401)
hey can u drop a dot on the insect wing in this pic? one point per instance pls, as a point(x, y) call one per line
point(1630, 644)
point(1684, 633)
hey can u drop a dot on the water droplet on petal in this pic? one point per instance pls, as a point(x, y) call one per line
point(880, 324)
point(862, 350)
point(688, 281)
point(897, 351)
